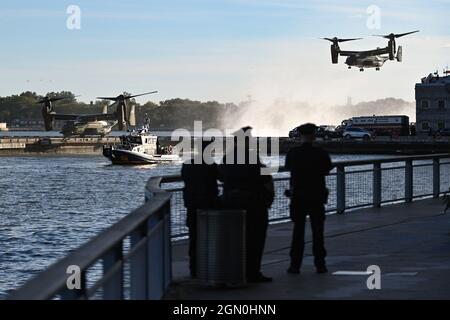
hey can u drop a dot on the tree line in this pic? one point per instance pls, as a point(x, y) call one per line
point(168, 114)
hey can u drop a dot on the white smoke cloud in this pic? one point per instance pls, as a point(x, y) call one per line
point(276, 118)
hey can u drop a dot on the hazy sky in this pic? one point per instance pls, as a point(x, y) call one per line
point(216, 49)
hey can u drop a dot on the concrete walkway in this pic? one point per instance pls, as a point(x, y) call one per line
point(409, 242)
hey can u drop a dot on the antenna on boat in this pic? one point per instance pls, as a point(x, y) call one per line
point(146, 122)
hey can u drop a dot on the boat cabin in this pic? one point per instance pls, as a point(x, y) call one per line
point(143, 143)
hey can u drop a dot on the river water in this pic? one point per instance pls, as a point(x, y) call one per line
point(50, 205)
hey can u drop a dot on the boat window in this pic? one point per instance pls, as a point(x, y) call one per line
point(135, 140)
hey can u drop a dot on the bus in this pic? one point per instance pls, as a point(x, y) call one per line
point(381, 125)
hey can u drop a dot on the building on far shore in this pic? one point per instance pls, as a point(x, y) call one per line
point(433, 103)
point(3, 126)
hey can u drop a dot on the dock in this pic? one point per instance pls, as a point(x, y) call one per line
point(92, 145)
point(35, 145)
point(17, 146)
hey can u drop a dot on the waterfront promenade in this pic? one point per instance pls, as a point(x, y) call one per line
point(409, 242)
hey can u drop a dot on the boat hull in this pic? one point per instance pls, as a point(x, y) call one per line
point(126, 157)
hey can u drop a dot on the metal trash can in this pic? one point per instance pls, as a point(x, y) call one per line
point(221, 248)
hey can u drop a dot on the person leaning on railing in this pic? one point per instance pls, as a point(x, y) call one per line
point(200, 192)
point(308, 166)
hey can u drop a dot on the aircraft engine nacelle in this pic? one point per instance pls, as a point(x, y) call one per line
point(334, 55)
point(391, 46)
point(132, 116)
point(399, 54)
point(121, 114)
point(48, 117)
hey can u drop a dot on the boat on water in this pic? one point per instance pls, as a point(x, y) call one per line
point(139, 147)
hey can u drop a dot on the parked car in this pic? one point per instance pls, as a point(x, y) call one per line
point(355, 132)
point(443, 132)
point(325, 132)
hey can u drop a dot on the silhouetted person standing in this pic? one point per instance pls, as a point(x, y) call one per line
point(200, 192)
point(308, 166)
point(245, 188)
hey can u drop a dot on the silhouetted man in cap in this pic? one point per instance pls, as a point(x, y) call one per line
point(245, 188)
point(308, 166)
point(200, 192)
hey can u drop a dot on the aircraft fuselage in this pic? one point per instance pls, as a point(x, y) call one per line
point(366, 62)
point(83, 128)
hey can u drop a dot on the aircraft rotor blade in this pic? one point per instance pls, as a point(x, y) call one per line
point(334, 40)
point(57, 99)
point(393, 35)
point(121, 97)
point(47, 99)
point(405, 34)
point(345, 40)
point(138, 95)
point(381, 35)
point(107, 98)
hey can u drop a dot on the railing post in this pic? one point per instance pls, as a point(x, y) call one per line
point(138, 266)
point(436, 178)
point(377, 184)
point(113, 288)
point(409, 180)
point(167, 268)
point(340, 189)
point(75, 294)
point(155, 257)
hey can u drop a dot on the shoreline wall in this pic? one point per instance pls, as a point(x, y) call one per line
point(93, 145)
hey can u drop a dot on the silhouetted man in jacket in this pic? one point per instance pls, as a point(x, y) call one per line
point(200, 192)
point(308, 166)
point(245, 188)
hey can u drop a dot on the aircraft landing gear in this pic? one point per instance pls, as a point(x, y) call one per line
point(349, 67)
point(362, 69)
point(377, 69)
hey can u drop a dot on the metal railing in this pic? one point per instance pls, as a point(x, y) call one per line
point(131, 259)
point(352, 184)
